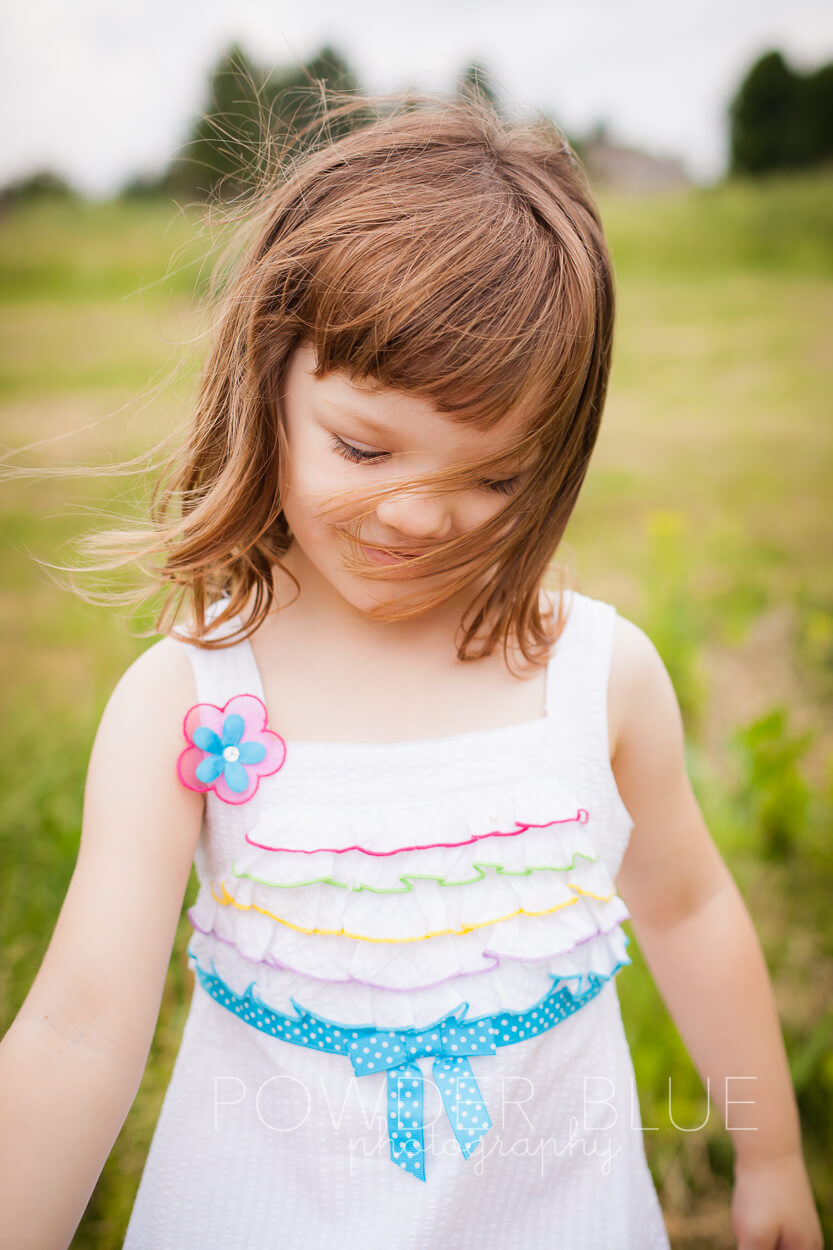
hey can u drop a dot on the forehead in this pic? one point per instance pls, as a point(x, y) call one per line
point(378, 413)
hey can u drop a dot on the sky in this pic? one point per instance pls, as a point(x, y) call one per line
point(102, 90)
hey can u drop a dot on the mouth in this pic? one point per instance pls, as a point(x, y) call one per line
point(394, 556)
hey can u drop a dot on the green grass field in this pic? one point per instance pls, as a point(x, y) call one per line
point(705, 518)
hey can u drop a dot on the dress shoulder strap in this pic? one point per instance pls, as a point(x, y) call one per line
point(222, 672)
point(579, 669)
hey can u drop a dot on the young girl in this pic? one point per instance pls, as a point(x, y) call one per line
point(422, 793)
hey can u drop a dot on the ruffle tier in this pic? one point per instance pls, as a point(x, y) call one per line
point(557, 846)
point(297, 834)
point(401, 962)
point(504, 985)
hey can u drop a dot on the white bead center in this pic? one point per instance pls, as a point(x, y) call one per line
point(231, 754)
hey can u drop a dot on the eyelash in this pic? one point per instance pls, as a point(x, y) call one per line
point(355, 455)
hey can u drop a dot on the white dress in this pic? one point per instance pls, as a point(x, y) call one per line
point(378, 899)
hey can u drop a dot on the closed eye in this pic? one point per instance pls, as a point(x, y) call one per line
point(356, 454)
point(506, 486)
point(359, 455)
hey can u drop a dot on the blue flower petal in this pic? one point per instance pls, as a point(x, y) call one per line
point(207, 740)
point(236, 776)
point(233, 727)
point(252, 752)
point(209, 769)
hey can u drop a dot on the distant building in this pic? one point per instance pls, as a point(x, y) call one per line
point(628, 169)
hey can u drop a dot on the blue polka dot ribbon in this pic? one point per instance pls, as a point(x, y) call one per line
point(449, 1041)
point(395, 1051)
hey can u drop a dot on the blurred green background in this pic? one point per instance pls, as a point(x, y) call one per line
point(705, 518)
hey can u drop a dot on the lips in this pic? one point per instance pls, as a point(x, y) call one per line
point(392, 556)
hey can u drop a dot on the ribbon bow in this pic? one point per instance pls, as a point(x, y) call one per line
point(395, 1051)
point(449, 1042)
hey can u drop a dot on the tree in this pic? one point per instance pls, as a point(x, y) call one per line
point(302, 99)
point(475, 81)
point(780, 119)
point(254, 115)
point(41, 185)
point(818, 112)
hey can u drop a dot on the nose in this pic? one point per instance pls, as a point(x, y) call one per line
point(417, 514)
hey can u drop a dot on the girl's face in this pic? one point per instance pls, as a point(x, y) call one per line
point(344, 436)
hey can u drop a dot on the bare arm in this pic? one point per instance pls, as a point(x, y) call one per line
point(73, 1059)
point(701, 947)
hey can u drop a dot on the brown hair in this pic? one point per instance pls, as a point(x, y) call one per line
point(439, 250)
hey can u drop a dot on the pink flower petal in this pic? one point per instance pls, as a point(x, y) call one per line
point(275, 748)
point(207, 714)
point(186, 768)
point(251, 708)
point(223, 791)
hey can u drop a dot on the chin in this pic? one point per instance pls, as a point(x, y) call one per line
point(376, 599)
point(383, 601)
point(371, 596)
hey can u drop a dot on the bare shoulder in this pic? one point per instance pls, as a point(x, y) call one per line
point(640, 698)
point(671, 864)
point(140, 733)
point(161, 675)
point(105, 966)
point(138, 740)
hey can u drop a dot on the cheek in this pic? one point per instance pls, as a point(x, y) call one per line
point(316, 492)
point(481, 507)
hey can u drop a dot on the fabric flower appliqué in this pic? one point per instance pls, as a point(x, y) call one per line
point(229, 748)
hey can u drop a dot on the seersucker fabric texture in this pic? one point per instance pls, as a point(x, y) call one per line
point(391, 894)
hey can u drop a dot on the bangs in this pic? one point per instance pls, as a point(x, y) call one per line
point(434, 276)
